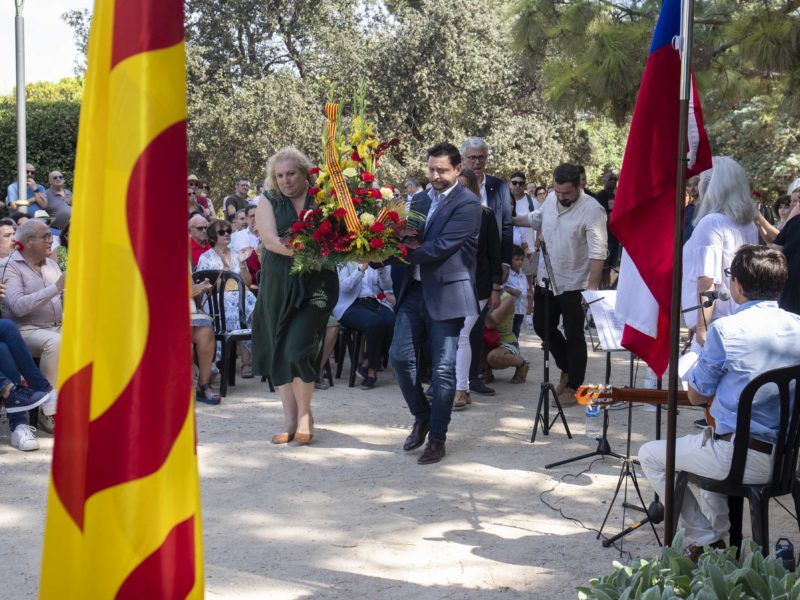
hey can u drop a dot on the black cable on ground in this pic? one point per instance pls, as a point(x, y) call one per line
point(575, 519)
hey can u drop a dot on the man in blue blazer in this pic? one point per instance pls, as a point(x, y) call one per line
point(436, 295)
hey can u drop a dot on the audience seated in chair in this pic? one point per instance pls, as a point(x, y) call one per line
point(204, 343)
point(221, 257)
point(34, 290)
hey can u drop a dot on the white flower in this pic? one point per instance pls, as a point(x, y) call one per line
point(350, 172)
point(367, 220)
point(387, 193)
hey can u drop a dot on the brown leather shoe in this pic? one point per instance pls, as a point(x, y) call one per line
point(562, 383)
point(433, 453)
point(461, 401)
point(694, 552)
point(567, 397)
point(417, 436)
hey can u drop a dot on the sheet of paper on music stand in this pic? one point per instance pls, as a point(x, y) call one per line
point(609, 325)
point(685, 365)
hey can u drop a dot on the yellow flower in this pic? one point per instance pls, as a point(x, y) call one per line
point(350, 172)
point(321, 196)
point(367, 220)
point(387, 193)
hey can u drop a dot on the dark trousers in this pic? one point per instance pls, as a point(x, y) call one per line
point(476, 345)
point(376, 322)
point(16, 362)
point(412, 328)
point(568, 349)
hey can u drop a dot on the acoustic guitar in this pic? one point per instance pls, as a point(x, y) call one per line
point(603, 395)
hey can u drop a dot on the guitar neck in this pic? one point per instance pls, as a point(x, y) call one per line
point(649, 396)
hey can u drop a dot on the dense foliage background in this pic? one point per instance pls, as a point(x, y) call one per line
point(542, 80)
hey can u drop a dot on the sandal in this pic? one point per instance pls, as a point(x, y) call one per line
point(247, 372)
point(205, 394)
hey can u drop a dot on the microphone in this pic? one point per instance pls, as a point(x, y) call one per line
point(720, 294)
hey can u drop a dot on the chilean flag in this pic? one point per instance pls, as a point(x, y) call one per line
point(643, 218)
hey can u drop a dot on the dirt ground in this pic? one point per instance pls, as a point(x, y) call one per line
point(353, 516)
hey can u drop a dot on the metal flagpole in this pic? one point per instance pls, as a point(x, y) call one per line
point(685, 42)
point(22, 150)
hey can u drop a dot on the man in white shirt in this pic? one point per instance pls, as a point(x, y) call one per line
point(523, 203)
point(573, 227)
point(412, 187)
point(246, 237)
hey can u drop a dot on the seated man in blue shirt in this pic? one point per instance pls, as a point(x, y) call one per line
point(758, 337)
point(35, 198)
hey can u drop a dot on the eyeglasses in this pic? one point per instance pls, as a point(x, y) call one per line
point(57, 177)
point(47, 237)
point(225, 231)
point(192, 184)
point(477, 158)
point(30, 172)
point(517, 183)
point(727, 272)
point(201, 228)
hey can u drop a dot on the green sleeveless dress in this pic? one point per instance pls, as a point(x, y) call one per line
point(291, 312)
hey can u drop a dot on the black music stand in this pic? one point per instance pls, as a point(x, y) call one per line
point(547, 388)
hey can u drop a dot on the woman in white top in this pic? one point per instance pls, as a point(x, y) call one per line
point(366, 304)
point(220, 257)
point(723, 223)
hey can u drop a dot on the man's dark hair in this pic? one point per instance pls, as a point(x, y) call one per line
point(567, 173)
point(242, 210)
point(250, 208)
point(517, 251)
point(448, 150)
point(9, 222)
point(240, 179)
point(581, 169)
point(761, 272)
point(518, 174)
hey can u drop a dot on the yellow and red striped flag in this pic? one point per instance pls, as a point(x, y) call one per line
point(123, 516)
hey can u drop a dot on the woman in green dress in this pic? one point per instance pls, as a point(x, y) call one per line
point(292, 311)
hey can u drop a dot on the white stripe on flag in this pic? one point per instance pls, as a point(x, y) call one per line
point(635, 304)
point(693, 130)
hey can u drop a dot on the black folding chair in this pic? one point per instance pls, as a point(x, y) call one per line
point(783, 478)
point(349, 343)
point(228, 339)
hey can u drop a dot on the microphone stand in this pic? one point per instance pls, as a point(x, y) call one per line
point(547, 387)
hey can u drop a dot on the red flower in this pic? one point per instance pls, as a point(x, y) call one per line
point(362, 192)
point(376, 243)
point(356, 200)
point(355, 156)
point(313, 170)
point(325, 251)
point(313, 191)
point(339, 213)
point(367, 177)
point(297, 245)
point(325, 228)
point(375, 193)
point(381, 296)
point(333, 193)
point(403, 250)
point(297, 227)
point(19, 246)
point(393, 216)
point(378, 228)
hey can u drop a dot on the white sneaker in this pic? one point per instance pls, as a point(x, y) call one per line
point(22, 437)
point(46, 422)
point(49, 406)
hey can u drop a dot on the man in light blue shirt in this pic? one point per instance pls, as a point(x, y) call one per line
point(35, 198)
point(758, 337)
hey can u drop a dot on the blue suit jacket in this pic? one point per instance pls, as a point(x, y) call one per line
point(447, 256)
point(498, 198)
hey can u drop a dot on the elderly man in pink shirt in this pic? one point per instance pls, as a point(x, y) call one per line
point(34, 290)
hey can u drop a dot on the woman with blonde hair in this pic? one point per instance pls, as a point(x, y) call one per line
point(292, 311)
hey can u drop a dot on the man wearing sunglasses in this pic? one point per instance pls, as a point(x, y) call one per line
point(35, 198)
point(59, 200)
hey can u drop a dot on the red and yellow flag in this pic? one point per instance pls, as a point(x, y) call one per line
point(123, 516)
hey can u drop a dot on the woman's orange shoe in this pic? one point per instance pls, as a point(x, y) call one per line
point(283, 438)
point(303, 438)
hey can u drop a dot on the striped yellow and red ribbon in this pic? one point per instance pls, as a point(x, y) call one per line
point(123, 516)
point(335, 171)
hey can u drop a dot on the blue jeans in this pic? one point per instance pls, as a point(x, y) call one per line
point(16, 362)
point(411, 327)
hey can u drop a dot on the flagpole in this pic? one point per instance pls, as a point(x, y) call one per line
point(687, 18)
point(19, 37)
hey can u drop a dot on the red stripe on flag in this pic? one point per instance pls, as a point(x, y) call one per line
point(71, 445)
point(145, 25)
point(168, 573)
point(133, 438)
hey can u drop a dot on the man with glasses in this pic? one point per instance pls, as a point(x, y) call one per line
point(756, 338)
point(239, 199)
point(198, 237)
point(59, 201)
point(34, 289)
point(521, 204)
point(35, 196)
